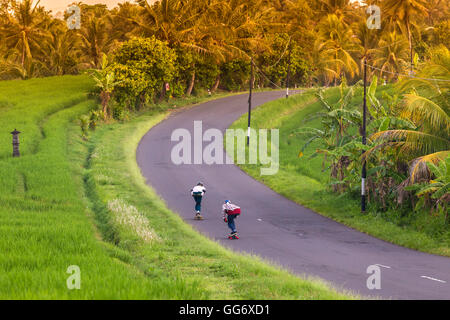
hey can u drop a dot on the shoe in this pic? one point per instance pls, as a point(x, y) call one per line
point(198, 217)
point(233, 236)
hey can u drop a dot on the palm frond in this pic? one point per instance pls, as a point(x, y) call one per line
point(422, 110)
point(417, 141)
point(419, 167)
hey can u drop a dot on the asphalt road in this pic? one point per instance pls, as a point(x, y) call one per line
point(276, 228)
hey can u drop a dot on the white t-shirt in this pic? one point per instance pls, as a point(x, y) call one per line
point(198, 189)
point(229, 207)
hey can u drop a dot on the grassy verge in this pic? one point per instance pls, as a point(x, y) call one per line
point(70, 202)
point(304, 181)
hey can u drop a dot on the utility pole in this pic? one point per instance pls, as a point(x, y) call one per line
point(288, 74)
point(364, 141)
point(250, 102)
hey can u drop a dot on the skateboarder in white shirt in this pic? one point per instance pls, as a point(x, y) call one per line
point(197, 193)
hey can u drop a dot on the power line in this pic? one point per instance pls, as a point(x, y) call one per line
point(405, 75)
point(262, 73)
point(282, 55)
point(391, 44)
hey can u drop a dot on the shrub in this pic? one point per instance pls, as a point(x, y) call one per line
point(142, 66)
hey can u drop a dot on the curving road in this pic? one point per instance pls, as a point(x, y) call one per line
point(276, 228)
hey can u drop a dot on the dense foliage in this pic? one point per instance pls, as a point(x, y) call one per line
point(408, 147)
point(143, 67)
point(324, 39)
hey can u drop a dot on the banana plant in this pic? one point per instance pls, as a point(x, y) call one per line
point(375, 107)
point(336, 118)
point(105, 81)
point(337, 145)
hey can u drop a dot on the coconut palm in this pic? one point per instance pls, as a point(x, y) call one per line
point(433, 77)
point(296, 16)
point(61, 48)
point(391, 56)
point(167, 20)
point(120, 18)
point(429, 143)
point(367, 40)
point(438, 10)
point(25, 29)
point(95, 39)
point(345, 9)
point(403, 13)
point(177, 22)
point(337, 44)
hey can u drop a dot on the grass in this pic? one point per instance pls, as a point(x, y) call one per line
point(67, 202)
point(304, 181)
point(44, 227)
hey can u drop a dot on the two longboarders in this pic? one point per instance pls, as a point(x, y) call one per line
point(230, 211)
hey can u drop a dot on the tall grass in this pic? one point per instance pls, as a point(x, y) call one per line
point(44, 224)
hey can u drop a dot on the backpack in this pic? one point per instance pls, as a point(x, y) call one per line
point(235, 212)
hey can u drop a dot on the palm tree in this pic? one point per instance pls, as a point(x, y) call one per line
point(367, 41)
point(429, 143)
point(120, 18)
point(61, 51)
point(25, 29)
point(296, 16)
point(239, 29)
point(425, 106)
point(391, 56)
point(95, 35)
point(403, 12)
point(337, 44)
point(433, 77)
point(322, 65)
point(176, 22)
point(345, 9)
point(438, 10)
point(167, 20)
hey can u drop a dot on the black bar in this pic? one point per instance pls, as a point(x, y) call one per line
point(219, 309)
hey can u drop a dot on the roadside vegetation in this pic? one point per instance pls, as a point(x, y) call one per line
point(321, 157)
